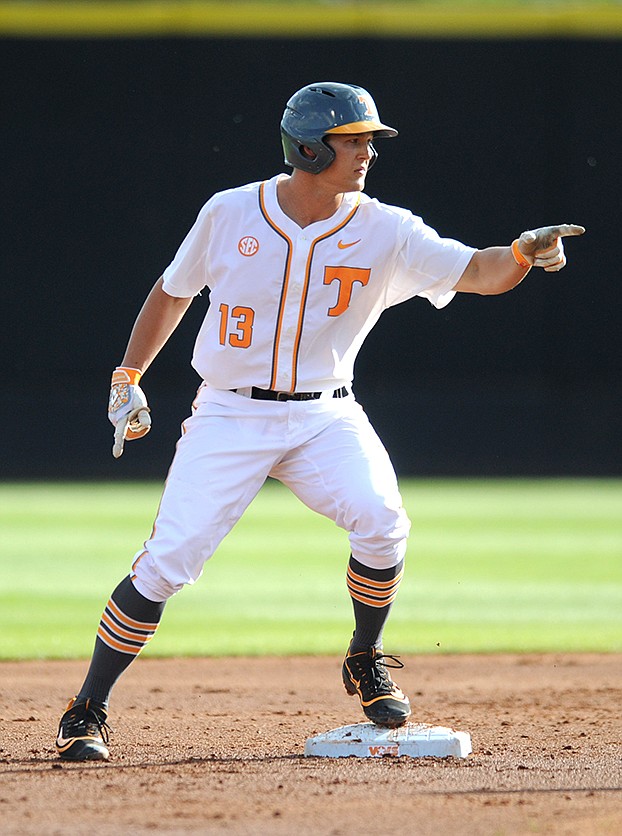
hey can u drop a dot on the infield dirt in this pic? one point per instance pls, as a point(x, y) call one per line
point(216, 746)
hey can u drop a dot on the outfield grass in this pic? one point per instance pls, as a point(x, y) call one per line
point(515, 565)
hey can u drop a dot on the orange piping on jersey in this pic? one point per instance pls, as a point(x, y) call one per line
point(133, 575)
point(305, 292)
point(286, 274)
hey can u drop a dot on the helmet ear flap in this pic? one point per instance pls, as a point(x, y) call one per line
point(311, 155)
point(374, 156)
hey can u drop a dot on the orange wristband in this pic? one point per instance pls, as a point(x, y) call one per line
point(519, 258)
point(124, 375)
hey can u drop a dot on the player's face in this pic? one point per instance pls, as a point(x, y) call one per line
point(353, 153)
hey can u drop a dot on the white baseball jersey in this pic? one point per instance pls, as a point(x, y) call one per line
point(290, 307)
point(289, 310)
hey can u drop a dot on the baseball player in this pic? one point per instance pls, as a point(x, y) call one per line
point(299, 269)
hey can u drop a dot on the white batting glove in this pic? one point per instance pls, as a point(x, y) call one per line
point(543, 247)
point(128, 410)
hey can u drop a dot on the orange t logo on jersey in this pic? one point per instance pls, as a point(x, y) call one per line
point(346, 277)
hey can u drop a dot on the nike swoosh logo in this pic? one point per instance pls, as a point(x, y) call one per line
point(63, 741)
point(343, 246)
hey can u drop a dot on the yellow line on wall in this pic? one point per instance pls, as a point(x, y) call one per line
point(359, 19)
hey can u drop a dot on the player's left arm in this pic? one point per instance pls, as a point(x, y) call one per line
point(498, 269)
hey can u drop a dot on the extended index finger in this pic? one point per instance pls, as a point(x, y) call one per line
point(119, 439)
point(564, 230)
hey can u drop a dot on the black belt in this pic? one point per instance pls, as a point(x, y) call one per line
point(271, 395)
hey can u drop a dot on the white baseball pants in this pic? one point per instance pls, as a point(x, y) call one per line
point(325, 451)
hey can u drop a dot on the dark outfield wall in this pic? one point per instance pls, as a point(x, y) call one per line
point(109, 148)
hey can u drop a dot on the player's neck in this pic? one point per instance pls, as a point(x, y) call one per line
point(301, 200)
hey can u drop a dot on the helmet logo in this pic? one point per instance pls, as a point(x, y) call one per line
point(248, 245)
point(368, 104)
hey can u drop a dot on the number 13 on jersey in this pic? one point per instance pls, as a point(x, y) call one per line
point(236, 325)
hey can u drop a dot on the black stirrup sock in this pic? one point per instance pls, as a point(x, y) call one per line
point(373, 592)
point(127, 624)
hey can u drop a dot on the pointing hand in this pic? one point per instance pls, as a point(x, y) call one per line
point(543, 247)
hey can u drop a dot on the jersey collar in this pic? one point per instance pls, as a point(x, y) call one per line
point(278, 218)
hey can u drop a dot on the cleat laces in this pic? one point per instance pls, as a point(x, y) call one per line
point(372, 673)
point(87, 722)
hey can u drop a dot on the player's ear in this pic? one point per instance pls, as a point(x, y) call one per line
point(307, 152)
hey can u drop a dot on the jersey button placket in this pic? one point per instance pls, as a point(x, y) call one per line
point(292, 306)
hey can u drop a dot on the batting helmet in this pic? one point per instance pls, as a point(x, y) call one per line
point(324, 108)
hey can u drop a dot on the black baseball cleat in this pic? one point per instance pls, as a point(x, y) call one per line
point(366, 674)
point(83, 732)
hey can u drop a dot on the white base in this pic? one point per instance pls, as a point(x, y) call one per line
point(366, 740)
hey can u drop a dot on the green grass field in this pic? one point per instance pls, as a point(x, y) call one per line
point(516, 565)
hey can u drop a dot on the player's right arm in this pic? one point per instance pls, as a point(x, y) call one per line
point(127, 407)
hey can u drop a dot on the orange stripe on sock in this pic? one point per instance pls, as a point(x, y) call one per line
point(142, 636)
point(377, 584)
point(372, 602)
point(373, 593)
point(382, 600)
point(366, 587)
point(115, 645)
point(129, 622)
